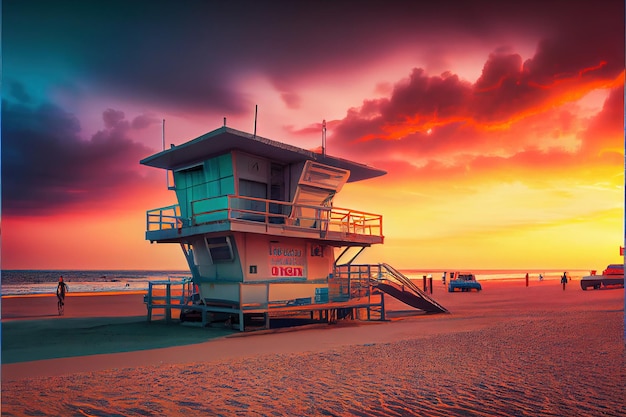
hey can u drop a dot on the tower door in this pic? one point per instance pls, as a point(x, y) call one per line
point(190, 186)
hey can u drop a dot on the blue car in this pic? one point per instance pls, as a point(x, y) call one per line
point(464, 282)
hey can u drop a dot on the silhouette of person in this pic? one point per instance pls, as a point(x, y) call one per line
point(61, 290)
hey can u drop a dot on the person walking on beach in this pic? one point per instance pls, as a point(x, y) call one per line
point(564, 280)
point(61, 290)
point(443, 278)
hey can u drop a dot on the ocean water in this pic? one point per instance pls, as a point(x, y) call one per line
point(30, 282)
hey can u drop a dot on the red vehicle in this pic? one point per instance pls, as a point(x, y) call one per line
point(613, 275)
point(614, 269)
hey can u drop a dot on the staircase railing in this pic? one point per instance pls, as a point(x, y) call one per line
point(389, 273)
point(355, 280)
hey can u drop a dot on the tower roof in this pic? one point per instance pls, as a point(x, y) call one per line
point(225, 139)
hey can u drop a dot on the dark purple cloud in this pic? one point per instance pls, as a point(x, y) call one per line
point(579, 57)
point(18, 92)
point(189, 56)
point(142, 121)
point(47, 168)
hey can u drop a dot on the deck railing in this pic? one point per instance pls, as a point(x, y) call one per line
point(352, 281)
point(270, 212)
point(164, 218)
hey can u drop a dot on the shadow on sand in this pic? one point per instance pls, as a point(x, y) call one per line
point(29, 340)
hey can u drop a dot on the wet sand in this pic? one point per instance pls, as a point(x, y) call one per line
point(508, 350)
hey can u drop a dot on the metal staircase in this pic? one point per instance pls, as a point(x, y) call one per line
point(352, 280)
point(394, 283)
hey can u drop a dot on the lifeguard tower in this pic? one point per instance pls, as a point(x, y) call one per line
point(256, 223)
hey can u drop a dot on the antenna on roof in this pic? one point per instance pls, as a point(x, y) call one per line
point(256, 110)
point(167, 171)
point(163, 133)
point(224, 121)
point(324, 137)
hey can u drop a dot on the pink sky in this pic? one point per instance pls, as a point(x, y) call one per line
point(500, 127)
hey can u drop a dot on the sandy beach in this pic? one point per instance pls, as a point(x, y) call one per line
point(509, 350)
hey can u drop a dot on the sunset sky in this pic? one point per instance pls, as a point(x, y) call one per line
point(500, 124)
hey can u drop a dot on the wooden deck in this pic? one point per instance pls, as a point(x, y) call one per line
point(174, 299)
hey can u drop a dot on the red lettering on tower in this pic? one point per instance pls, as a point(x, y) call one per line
point(287, 271)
